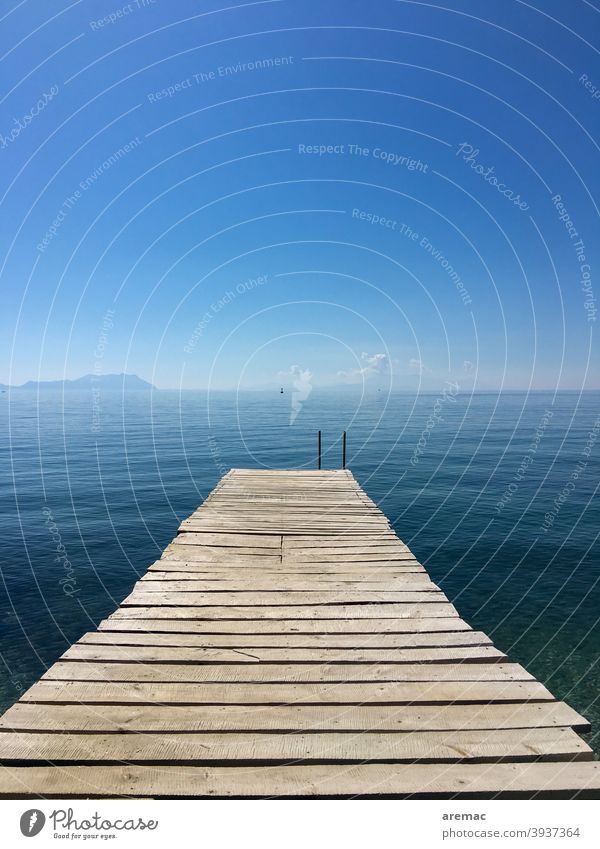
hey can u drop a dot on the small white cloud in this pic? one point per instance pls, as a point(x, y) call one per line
point(374, 365)
point(418, 366)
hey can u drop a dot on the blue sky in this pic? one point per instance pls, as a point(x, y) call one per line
point(365, 192)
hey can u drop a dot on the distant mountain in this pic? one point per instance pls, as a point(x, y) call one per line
point(117, 382)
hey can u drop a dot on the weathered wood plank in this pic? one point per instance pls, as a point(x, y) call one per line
point(242, 641)
point(283, 583)
point(346, 548)
point(339, 611)
point(557, 744)
point(183, 654)
point(266, 587)
point(363, 780)
point(357, 627)
point(285, 516)
point(145, 597)
point(319, 556)
point(239, 540)
point(197, 554)
point(228, 548)
point(413, 692)
point(305, 526)
point(315, 574)
point(357, 572)
point(159, 718)
point(283, 507)
point(172, 556)
point(302, 541)
point(282, 673)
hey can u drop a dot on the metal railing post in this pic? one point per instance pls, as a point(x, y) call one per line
point(344, 451)
point(319, 448)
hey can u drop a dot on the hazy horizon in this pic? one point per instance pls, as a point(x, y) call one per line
point(315, 386)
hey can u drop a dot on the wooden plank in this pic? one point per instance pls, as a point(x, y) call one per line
point(227, 556)
point(290, 499)
point(280, 474)
point(194, 554)
point(212, 572)
point(372, 542)
point(386, 535)
point(334, 557)
point(284, 514)
point(557, 744)
point(145, 597)
point(197, 554)
point(65, 670)
point(196, 559)
point(302, 541)
point(340, 611)
point(243, 641)
point(287, 505)
point(165, 583)
point(277, 507)
point(187, 693)
point(359, 627)
point(325, 514)
point(306, 527)
point(237, 540)
point(153, 654)
point(265, 490)
point(346, 548)
point(281, 719)
point(188, 550)
point(235, 579)
point(81, 651)
point(226, 549)
point(291, 494)
point(343, 548)
point(272, 502)
point(224, 511)
point(294, 490)
point(333, 531)
point(362, 780)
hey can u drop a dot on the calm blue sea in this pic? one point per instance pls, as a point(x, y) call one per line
point(91, 491)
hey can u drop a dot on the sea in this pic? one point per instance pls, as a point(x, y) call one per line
point(494, 493)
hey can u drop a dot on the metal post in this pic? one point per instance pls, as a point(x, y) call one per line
point(344, 451)
point(319, 444)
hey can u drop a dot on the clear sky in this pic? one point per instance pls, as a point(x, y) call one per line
point(212, 193)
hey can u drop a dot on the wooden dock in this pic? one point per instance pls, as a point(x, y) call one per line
point(288, 644)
